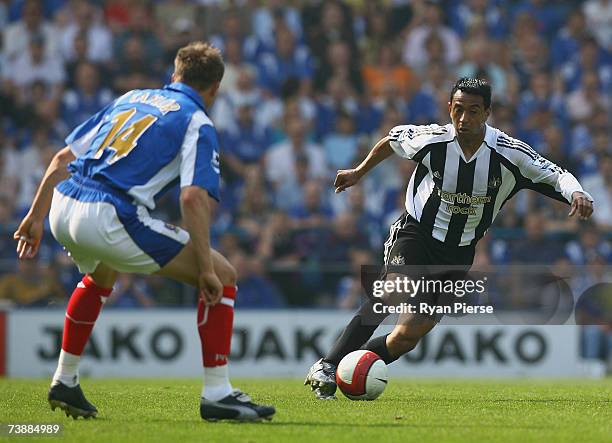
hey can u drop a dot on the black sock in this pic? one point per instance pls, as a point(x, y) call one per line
point(378, 345)
point(356, 333)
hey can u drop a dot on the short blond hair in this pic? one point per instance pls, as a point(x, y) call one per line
point(199, 65)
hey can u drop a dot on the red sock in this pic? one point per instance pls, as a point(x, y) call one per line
point(215, 325)
point(83, 308)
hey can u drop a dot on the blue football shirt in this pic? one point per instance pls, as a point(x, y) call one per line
point(147, 140)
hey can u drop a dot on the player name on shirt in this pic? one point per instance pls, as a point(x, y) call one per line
point(164, 104)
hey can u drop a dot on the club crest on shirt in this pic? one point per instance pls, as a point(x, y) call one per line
point(171, 227)
point(398, 260)
point(495, 182)
point(437, 175)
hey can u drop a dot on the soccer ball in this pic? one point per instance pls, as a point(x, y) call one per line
point(362, 375)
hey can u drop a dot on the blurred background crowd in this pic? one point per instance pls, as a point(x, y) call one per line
point(309, 87)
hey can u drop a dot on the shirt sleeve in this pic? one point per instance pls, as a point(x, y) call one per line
point(408, 140)
point(80, 138)
point(547, 178)
point(200, 156)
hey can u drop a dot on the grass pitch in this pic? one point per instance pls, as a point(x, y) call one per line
point(139, 410)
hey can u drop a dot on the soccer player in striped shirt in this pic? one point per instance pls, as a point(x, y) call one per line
point(466, 171)
point(98, 192)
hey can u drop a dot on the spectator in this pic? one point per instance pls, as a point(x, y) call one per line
point(470, 13)
point(166, 292)
point(99, 39)
point(234, 28)
point(598, 15)
point(377, 36)
point(589, 140)
point(534, 247)
point(481, 65)
point(17, 36)
point(130, 291)
point(581, 103)
point(312, 222)
point(387, 70)
point(531, 54)
point(277, 241)
point(346, 235)
point(415, 51)
point(80, 56)
point(246, 93)
point(338, 63)
point(291, 193)
point(341, 145)
point(33, 286)
point(589, 58)
point(437, 84)
point(567, 41)
point(234, 62)
point(256, 291)
point(287, 60)
point(265, 19)
point(280, 158)
point(325, 25)
point(547, 16)
point(555, 147)
point(312, 212)
point(9, 168)
point(255, 206)
point(33, 161)
point(420, 108)
point(86, 98)
point(7, 221)
point(599, 185)
point(245, 144)
point(177, 20)
point(34, 64)
point(367, 220)
point(350, 293)
point(540, 96)
point(338, 98)
point(135, 70)
point(140, 28)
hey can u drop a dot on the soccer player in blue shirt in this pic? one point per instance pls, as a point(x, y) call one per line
point(98, 192)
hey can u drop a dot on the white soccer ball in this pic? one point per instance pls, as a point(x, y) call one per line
point(362, 375)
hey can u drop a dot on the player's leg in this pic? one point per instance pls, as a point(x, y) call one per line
point(410, 328)
point(215, 325)
point(404, 241)
point(322, 375)
point(74, 224)
point(82, 311)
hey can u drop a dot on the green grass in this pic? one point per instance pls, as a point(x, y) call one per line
point(409, 411)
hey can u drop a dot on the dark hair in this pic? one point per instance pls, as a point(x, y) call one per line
point(199, 65)
point(476, 86)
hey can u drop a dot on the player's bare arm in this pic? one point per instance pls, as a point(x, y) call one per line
point(196, 214)
point(345, 178)
point(30, 230)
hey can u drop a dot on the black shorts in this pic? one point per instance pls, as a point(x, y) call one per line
point(411, 251)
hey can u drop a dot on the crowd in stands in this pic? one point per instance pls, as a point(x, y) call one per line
point(309, 87)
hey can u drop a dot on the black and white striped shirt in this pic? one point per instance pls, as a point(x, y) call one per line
point(457, 199)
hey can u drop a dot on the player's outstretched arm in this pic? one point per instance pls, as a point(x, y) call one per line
point(555, 182)
point(196, 214)
point(30, 231)
point(345, 178)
